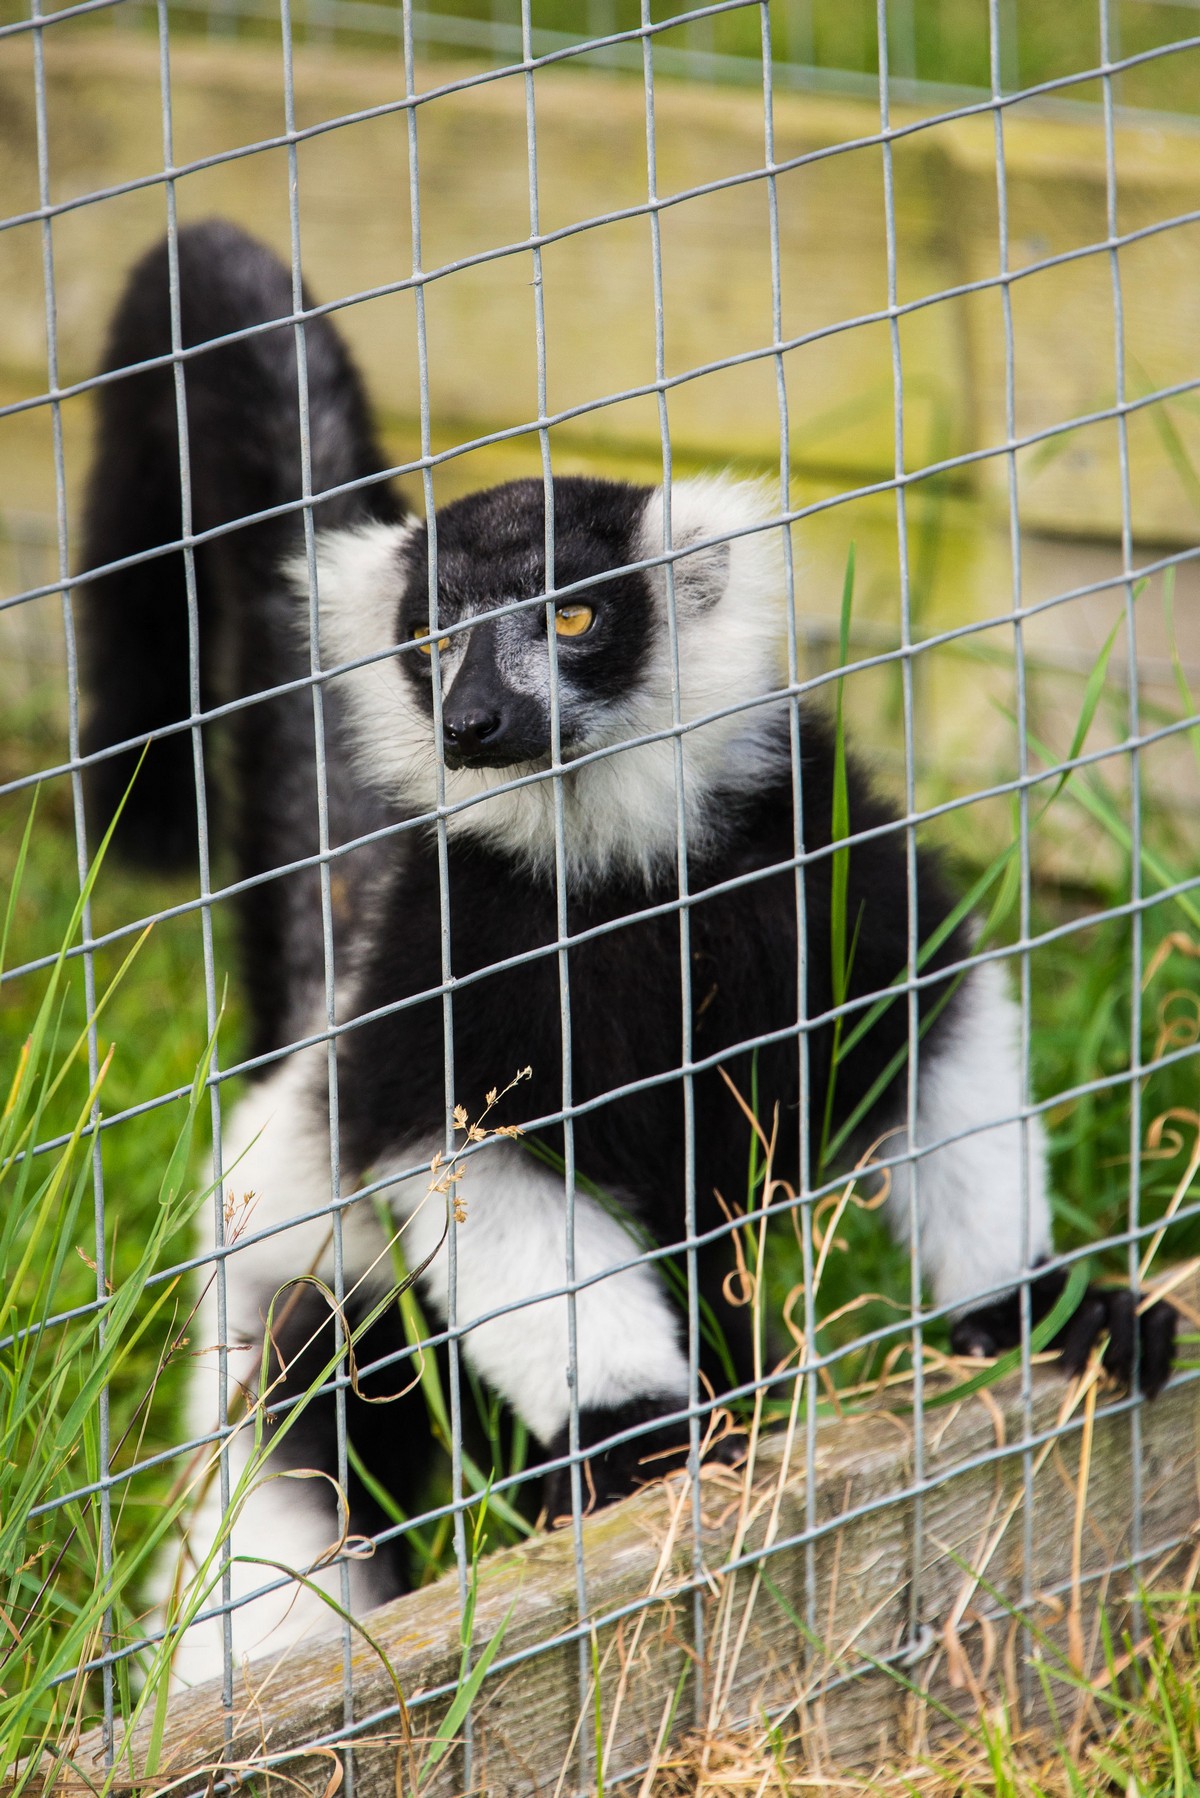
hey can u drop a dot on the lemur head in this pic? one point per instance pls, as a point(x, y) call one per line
point(496, 674)
point(610, 662)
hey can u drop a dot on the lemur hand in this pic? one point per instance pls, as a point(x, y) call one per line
point(1102, 1311)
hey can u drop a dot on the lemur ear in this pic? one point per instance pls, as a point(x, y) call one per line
point(360, 577)
point(710, 517)
point(701, 574)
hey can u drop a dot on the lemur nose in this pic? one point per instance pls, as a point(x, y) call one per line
point(466, 733)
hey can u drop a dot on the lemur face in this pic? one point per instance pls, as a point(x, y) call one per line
point(636, 697)
point(496, 675)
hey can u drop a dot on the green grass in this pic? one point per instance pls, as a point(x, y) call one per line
point(154, 1024)
point(152, 1035)
point(71, 1566)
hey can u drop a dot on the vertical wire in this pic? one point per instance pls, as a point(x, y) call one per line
point(100, 1253)
point(443, 859)
point(322, 795)
point(910, 841)
point(1135, 781)
point(811, 1391)
point(681, 851)
point(560, 889)
point(203, 859)
point(1010, 44)
point(1019, 668)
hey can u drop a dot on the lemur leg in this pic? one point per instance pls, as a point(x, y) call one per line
point(277, 1163)
point(976, 1234)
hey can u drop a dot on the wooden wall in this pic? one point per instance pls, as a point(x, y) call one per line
point(105, 130)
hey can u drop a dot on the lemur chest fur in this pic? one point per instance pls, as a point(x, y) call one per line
point(631, 938)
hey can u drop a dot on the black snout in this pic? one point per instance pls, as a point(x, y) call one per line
point(486, 722)
point(495, 735)
point(466, 733)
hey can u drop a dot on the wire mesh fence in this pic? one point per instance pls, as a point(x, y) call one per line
point(539, 1077)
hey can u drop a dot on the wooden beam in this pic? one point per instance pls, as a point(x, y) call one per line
point(848, 1692)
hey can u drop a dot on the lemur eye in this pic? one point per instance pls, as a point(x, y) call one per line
point(572, 621)
point(422, 631)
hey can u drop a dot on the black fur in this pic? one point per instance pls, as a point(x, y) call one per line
point(743, 948)
point(628, 1449)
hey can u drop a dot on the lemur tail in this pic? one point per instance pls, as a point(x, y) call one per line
point(240, 455)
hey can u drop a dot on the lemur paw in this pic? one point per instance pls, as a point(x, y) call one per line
point(612, 1473)
point(1102, 1311)
point(1112, 1311)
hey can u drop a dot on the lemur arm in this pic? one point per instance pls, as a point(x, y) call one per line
point(982, 1222)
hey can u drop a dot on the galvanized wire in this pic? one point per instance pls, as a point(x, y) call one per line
point(529, 52)
point(1022, 746)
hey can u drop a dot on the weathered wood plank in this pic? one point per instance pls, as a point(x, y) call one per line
point(534, 1724)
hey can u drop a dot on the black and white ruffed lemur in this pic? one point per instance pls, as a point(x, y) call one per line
point(625, 728)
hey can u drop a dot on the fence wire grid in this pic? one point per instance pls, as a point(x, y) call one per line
point(1020, 630)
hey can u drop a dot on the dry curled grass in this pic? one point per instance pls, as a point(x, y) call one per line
point(1136, 1735)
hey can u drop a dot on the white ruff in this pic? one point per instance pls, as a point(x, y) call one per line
point(620, 812)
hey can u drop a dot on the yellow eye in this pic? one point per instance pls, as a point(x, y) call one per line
point(572, 621)
point(426, 648)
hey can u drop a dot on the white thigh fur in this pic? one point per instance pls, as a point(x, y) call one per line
point(511, 1250)
point(977, 1233)
point(276, 1157)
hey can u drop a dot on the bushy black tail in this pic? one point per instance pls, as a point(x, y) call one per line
point(243, 456)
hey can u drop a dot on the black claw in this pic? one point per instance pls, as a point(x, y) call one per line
point(1120, 1322)
point(1112, 1312)
point(1102, 1311)
point(1078, 1335)
point(1159, 1325)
